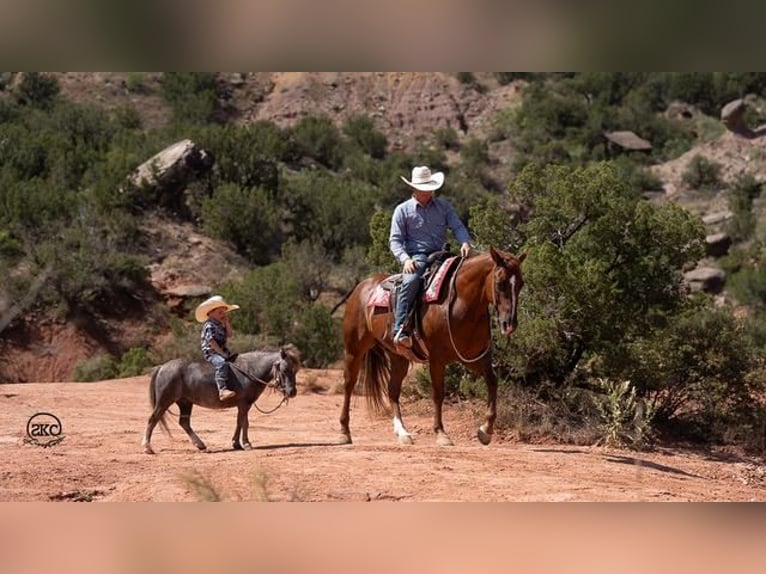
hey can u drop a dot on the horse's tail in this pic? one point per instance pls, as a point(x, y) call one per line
point(376, 372)
point(153, 398)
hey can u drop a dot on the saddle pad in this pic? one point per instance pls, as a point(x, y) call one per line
point(379, 298)
point(433, 292)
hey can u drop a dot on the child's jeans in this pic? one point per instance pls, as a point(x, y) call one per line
point(221, 370)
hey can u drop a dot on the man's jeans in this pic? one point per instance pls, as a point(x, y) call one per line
point(221, 370)
point(409, 289)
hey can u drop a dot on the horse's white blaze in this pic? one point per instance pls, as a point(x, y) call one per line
point(512, 281)
point(399, 429)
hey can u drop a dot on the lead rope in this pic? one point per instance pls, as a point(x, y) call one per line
point(273, 385)
point(453, 290)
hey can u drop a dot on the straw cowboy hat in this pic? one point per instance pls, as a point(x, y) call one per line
point(213, 303)
point(424, 180)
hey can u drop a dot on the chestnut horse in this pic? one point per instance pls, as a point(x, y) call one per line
point(454, 328)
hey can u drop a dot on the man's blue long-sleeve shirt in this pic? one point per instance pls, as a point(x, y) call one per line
point(423, 229)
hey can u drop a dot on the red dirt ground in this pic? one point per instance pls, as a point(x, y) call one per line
point(296, 456)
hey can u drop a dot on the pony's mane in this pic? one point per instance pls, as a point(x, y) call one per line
point(292, 351)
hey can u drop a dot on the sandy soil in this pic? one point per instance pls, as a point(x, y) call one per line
point(296, 456)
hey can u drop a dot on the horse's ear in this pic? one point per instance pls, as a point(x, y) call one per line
point(521, 257)
point(495, 255)
point(282, 352)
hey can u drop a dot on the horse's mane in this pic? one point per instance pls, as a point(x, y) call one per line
point(290, 350)
point(293, 352)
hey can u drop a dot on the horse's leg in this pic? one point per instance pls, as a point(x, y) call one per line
point(235, 444)
point(437, 389)
point(352, 365)
point(154, 418)
point(245, 425)
point(399, 367)
point(184, 419)
point(484, 369)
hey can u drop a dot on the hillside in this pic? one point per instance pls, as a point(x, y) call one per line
point(407, 107)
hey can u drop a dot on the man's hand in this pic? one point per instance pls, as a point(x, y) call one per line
point(465, 249)
point(409, 266)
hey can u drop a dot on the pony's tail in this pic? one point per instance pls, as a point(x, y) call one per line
point(153, 398)
point(376, 371)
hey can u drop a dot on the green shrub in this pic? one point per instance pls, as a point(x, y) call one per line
point(135, 83)
point(361, 131)
point(38, 90)
point(318, 335)
point(135, 361)
point(504, 78)
point(270, 299)
point(5, 80)
point(327, 209)
point(741, 196)
point(127, 117)
point(245, 156)
point(98, 368)
point(447, 138)
point(702, 173)
point(624, 418)
point(193, 95)
point(248, 218)
point(319, 139)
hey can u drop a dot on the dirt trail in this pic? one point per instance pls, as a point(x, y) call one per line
point(296, 456)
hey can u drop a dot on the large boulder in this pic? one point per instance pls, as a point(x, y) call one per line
point(175, 165)
point(733, 117)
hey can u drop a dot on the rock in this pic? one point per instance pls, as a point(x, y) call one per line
point(177, 163)
point(707, 279)
point(186, 291)
point(733, 116)
point(628, 141)
point(681, 111)
point(717, 217)
point(717, 244)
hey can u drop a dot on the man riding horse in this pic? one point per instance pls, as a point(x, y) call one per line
point(419, 228)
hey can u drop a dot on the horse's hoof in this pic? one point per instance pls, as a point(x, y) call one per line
point(247, 446)
point(405, 439)
point(484, 437)
point(201, 446)
point(236, 446)
point(443, 440)
point(148, 450)
point(344, 439)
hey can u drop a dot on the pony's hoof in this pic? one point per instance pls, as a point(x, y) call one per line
point(443, 440)
point(201, 446)
point(484, 437)
point(247, 446)
point(405, 439)
point(236, 446)
point(344, 439)
point(148, 450)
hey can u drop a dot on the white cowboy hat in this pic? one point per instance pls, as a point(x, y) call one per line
point(213, 303)
point(424, 180)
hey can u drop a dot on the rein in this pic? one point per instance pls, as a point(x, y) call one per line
point(453, 290)
point(273, 385)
